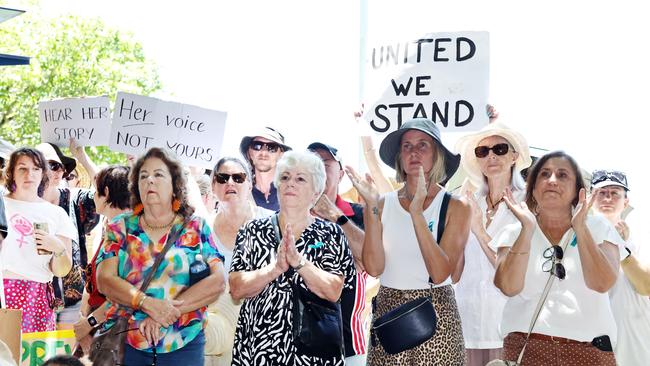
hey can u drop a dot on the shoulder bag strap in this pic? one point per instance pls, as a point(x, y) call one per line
point(171, 239)
point(444, 205)
point(541, 302)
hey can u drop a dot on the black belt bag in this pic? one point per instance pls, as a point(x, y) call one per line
point(411, 324)
point(405, 327)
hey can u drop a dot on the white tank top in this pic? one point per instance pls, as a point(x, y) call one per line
point(404, 265)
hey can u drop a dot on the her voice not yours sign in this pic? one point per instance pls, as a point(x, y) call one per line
point(193, 133)
point(441, 76)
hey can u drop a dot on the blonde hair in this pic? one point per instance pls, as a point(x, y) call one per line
point(437, 174)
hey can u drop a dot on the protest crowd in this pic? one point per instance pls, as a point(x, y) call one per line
point(476, 254)
point(261, 261)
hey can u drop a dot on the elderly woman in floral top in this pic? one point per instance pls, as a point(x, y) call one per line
point(170, 316)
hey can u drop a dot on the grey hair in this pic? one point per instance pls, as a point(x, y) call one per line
point(307, 160)
point(231, 159)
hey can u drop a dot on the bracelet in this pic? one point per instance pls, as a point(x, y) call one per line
point(517, 253)
point(135, 299)
point(59, 254)
point(141, 301)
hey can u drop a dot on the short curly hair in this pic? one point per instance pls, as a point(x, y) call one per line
point(179, 182)
point(39, 160)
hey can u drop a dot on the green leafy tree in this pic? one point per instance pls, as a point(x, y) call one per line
point(70, 57)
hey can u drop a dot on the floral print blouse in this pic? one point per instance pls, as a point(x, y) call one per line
point(137, 254)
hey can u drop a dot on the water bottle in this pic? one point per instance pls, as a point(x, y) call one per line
point(198, 270)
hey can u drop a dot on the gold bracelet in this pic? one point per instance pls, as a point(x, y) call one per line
point(517, 253)
point(135, 298)
point(141, 301)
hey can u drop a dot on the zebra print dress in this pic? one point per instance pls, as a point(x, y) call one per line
point(263, 335)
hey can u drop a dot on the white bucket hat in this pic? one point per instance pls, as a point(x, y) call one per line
point(466, 145)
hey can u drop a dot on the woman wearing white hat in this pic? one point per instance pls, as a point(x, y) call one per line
point(493, 159)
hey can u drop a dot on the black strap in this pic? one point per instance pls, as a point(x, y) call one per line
point(441, 219)
point(171, 239)
point(443, 215)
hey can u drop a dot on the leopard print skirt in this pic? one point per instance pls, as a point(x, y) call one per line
point(445, 348)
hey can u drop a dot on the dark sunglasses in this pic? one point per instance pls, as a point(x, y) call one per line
point(71, 176)
point(553, 261)
point(222, 178)
point(498, 149)
point(55, 166)
point(613, 175)
point(259, 145)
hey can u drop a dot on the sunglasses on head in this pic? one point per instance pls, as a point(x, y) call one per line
point(55, 166)
point(613, 175)
point(222, 178)
point(259, 145)
point(498, 149)
point(553, 261)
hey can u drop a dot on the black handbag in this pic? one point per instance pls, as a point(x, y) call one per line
point(317, 327)
point(317, 324)
point(413, 323)
point(107, 348)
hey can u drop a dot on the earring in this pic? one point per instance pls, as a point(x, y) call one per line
point(176, 205)
point(13, 187)
point(138, 208)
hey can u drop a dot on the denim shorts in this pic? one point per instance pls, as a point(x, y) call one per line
point(191, 354)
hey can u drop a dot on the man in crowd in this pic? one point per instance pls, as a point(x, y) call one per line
point(262, 151)
point(349, 216)
point(629, 296)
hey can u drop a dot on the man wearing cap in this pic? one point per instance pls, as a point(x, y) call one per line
point(262, 152)
point(349, 216)
point(630, 308)
point(79, 204)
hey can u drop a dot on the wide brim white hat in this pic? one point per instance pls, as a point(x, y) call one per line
point(469, 162)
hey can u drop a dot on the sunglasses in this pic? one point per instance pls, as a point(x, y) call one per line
point(55, 166)
point(498, 149)
point(70, 177)
point(553, 263)
point(259, 145)
point(222, 178)
point(612, 175)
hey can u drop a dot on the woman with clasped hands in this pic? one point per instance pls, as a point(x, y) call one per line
point(556, 235)
point(401, 246)
point(316, 249)
point(169, 318)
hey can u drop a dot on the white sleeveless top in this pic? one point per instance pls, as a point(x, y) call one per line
point(404, 265)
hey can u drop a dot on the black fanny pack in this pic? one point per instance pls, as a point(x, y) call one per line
point(406, 326)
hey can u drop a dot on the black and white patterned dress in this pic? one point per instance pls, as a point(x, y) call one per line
point(263, 335)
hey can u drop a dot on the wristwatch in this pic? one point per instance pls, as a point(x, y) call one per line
point(300, 264)
point(92, 321)
point(342, 220)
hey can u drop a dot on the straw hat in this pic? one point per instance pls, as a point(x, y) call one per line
point(466, 145)
point(390, 146)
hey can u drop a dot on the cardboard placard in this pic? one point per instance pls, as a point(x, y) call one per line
point(87, 120)
point(11, 320)
point(442, 76)
point(193, 133)
point(41, 346)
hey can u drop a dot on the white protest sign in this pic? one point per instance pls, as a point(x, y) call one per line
point(442, 76)
point(87, 120)
point(193, 133)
